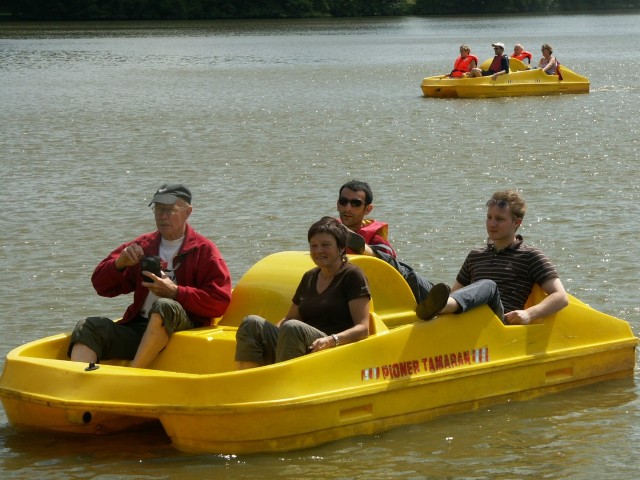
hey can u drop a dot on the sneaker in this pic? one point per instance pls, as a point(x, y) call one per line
point(355, 242)
point(436, 300)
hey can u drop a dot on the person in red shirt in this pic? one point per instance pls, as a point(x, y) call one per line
point(191, 286)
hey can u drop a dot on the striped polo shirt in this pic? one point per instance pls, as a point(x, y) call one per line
point(515, 270)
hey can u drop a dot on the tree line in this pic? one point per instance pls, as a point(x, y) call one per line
point(226, 9)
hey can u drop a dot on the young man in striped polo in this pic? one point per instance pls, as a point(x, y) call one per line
point(502, 274)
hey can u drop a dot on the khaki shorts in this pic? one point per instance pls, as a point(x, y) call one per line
point(259, 341)
point(111, 340)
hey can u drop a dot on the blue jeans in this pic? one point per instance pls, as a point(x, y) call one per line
point(482, 292)
point(419, 285)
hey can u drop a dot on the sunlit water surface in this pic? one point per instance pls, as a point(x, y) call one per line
point(264, 120)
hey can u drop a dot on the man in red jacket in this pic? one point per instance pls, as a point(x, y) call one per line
point(191, 287)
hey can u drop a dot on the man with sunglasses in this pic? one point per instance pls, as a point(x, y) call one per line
point(190, 287)
point(499, 64)
point(502, 274)
point(369, 237)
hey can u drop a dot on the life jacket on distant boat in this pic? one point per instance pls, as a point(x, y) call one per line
point(558, 70)
point(496, 65)
point(522, 56)
point(462, 65)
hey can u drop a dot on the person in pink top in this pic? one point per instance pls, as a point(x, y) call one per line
point(548, 63)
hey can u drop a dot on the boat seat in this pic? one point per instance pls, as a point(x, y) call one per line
point(267, 288)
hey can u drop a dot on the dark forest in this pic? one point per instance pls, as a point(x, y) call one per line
point(226, 9)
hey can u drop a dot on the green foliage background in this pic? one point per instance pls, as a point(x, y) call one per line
point(216, 9)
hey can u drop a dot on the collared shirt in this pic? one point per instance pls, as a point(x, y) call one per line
point(515, 269)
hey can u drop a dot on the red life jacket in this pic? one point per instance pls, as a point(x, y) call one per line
point(371, 228)
point(462, 65)
point(522, 56)
point(558, 70)
point(496, 65)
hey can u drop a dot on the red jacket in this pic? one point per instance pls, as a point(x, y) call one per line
point(204, 282)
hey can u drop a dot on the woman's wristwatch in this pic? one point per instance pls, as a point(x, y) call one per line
point(335, 339)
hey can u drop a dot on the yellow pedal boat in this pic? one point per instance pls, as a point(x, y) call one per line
point(407, 371)
point(519, 82)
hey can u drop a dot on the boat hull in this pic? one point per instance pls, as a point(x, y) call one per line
point(520, 83)
point(409, 373)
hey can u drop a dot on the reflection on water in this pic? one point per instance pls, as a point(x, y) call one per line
point(264, 121)
point(558, 436)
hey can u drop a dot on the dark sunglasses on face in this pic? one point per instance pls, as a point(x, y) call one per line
point(499, 203)
point(354, 202)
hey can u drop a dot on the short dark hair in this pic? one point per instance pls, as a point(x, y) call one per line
point(331, 226)
point(359, 186)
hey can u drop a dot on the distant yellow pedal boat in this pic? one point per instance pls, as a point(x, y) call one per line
point(519, 82)
point(407, 371)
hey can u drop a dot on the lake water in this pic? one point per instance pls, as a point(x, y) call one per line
point(264, 120)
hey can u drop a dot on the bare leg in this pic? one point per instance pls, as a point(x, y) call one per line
point(81, 353)
point(155, 338)
point(451, 307)
point(246, 365)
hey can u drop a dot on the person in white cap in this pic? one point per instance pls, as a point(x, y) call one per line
point(499, 65)
point(178, 278)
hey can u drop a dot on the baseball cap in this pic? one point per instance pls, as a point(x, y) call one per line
point(170, 193)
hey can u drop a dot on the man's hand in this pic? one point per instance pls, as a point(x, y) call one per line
point(518, 317)
point(162, 287)
point(129, 256)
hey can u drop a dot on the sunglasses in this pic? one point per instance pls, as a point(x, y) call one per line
point(354, 202)
point(498, 203)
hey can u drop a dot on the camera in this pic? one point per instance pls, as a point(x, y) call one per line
point(151, 264)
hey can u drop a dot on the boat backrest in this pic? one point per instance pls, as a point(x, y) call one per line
point(392, 298)
point(267, 288)
point(535, 297)
point(516, 65)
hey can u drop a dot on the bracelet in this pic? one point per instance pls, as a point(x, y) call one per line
point(335, 339)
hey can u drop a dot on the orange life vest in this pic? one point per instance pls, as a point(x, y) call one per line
point(522, 56)
point(462, 65)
